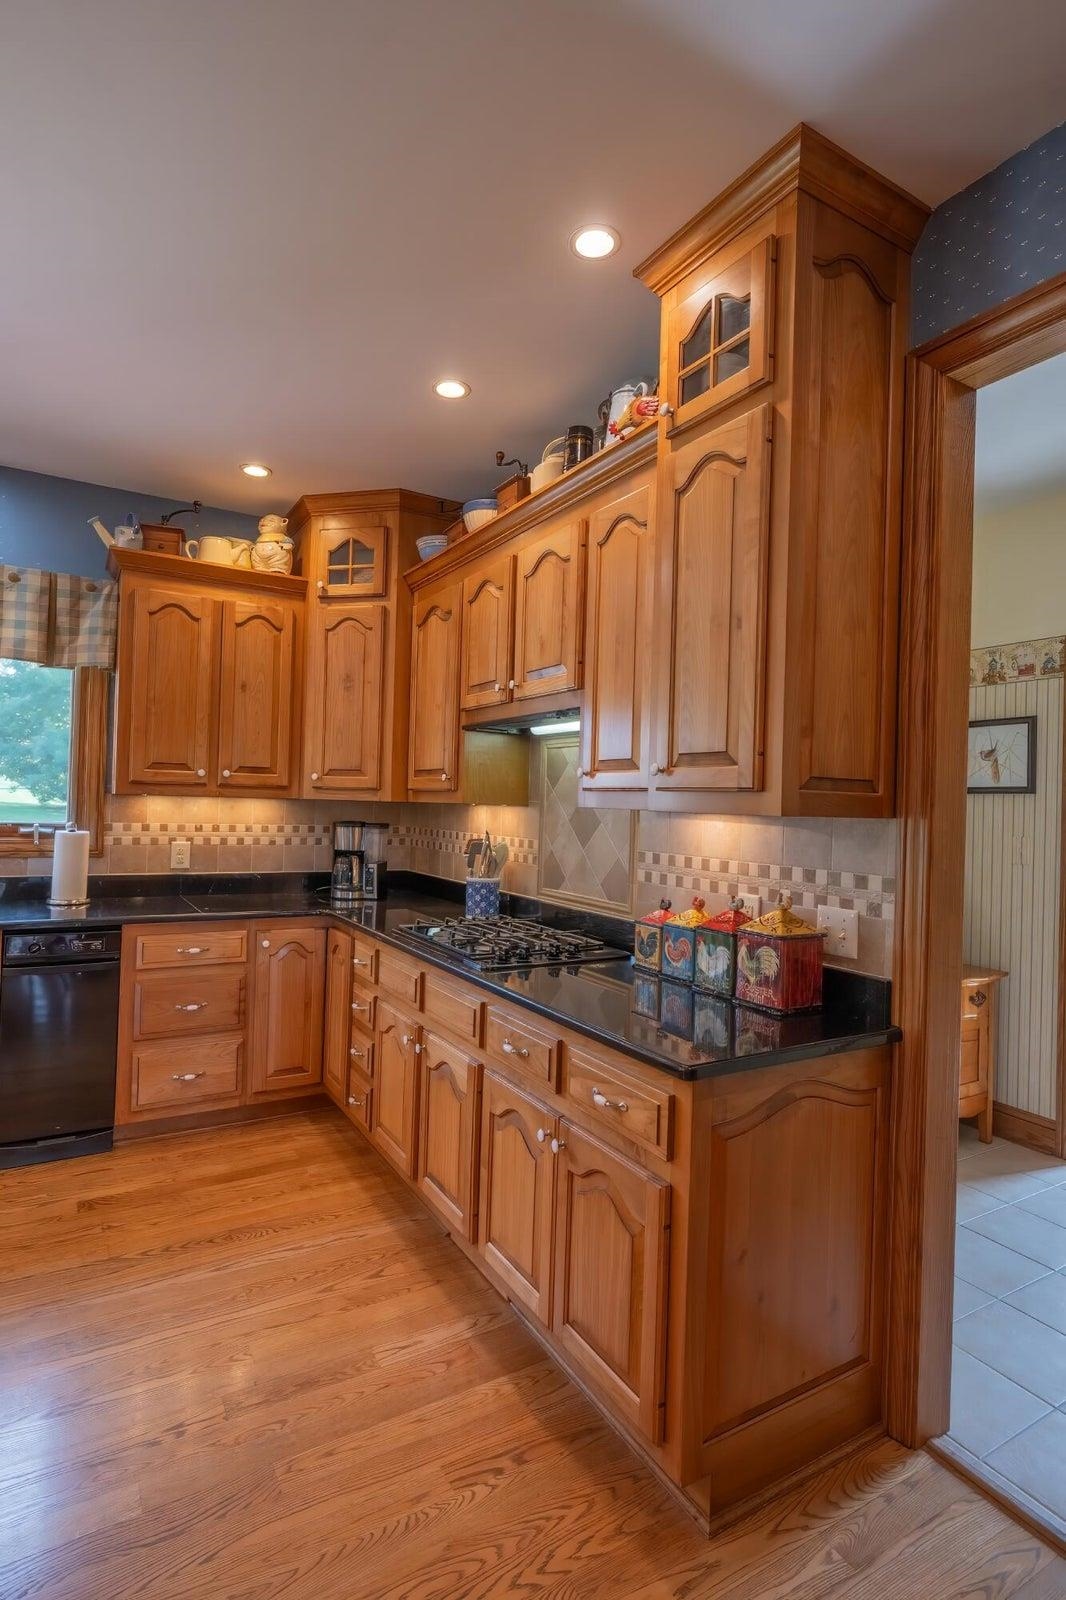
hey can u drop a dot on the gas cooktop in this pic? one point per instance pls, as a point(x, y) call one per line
point(509, 944)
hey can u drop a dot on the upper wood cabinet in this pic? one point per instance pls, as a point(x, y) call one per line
point(209, 677)
point(348, 557)
point(343, 731)
point(288, 986)
point(434, 758)
point(549, 588)
point(615, 732)
point(488, 634)
point(719, 335)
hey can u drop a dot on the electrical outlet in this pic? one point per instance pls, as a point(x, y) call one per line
point(180, 855)
point(752, 903)
point(842, 928)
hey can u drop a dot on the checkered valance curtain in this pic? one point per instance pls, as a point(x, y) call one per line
point(56, 619)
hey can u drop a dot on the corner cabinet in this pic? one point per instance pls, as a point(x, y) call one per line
point(209, 677)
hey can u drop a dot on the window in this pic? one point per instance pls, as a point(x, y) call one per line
point(53, 735)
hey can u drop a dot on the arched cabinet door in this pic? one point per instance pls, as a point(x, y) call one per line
point(166, 688)
point(611, 1264)
point(433, 761)
point(516, 1193)
point(345, 692)
point(394, 1122)
point(258, 687)
point(337, 1029)
point(348, 558)
point(488, 600)
point(447, 1145)
point(548, 602)
point(288, 1004)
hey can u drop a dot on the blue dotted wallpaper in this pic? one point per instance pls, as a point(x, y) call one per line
point(1002, 235)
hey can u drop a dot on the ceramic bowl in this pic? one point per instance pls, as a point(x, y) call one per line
point(431, 544)
point(477, 512)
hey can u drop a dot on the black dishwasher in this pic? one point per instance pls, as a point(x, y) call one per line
point(58, 1041)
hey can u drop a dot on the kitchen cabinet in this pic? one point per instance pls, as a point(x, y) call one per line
point(615, 732)
point(549, 588)
point(488, 634)
point(977, 1045)
point(336, 1033)
point(517, 1192)
point(208, 677)
point(348, 557)
point(345, 679)
point(447, 1144)
point(394, 1123)
point(289, 981)
point(434, 757)
point(611, 1265)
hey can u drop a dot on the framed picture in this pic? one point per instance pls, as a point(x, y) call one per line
point(1002, 756)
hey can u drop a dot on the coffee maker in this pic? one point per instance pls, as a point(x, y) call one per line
point(358, 863)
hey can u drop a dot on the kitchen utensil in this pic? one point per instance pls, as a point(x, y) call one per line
point(514, 488)
point(502, 854)
point(611, 409)
point(476, 513)
point(164, 541)
point(220, 550)
point(473, 850)
point(578, 445)
point(430, 545)
point(550, 465)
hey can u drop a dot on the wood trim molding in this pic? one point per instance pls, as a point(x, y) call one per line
point(90, 710)
point(317, 505)
point(1025, 1127)
point(934, 677)
point(180, 569)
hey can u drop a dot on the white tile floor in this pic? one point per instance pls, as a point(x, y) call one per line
point(1008, 1382)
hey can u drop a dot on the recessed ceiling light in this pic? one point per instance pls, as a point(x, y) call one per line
point(255, 469)
point(451, 389)
point(594, 241)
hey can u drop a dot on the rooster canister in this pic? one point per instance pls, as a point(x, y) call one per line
point(716, 950)
point(679, 942)
point(779, 962)
point(648, 937)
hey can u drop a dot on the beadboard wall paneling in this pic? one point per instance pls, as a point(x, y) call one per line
point(1012, 895)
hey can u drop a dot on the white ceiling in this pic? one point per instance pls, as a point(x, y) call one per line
point(260, 229)
point(1021, 436)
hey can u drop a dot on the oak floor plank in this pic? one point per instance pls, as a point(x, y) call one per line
point(244, 1364)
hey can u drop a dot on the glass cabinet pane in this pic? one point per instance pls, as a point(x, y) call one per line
point(727, 363)
point(698, 344)
point(734, 317)
point(695, 383)
point(350, 563)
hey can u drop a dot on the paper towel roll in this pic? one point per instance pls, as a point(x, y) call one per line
point(70, 867)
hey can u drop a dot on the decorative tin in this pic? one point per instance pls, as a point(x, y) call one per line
point(675, 1009)
point(712, 1024)
point(679, 942)
point(716, 950)
point(482, 897)
point(779, 962)
point(648, 937)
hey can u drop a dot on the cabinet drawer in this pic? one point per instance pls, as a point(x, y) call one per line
point(361, 1053)
point(174, 1003)
point(358, 1100)
point(522, 1046)
point(169, 1075)
point(618, 1100)
point(190, 947)
point(454, 1009)
point(364, 959)
point(400, 977)
point(364, 1006)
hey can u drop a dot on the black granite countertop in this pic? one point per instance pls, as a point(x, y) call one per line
point(668, 1025)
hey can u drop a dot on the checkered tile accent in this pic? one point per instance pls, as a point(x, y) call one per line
point(809, 887)
point(220, 833)
point(453, 842)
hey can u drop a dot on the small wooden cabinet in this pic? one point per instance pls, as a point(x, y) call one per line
point(515, 1220)
point(289, 980)
point(343, 728)
point(488, 634)
point(448, 1135)
point(977, 1045)
point(167, 687)
point(336, 1033)
point(434, 756)
point(259, 686)
point(394, 1123)
point(549, 590)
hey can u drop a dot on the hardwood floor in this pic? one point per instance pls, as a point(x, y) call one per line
point(244, 1363)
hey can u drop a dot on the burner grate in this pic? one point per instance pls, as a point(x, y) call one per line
point(509, 943)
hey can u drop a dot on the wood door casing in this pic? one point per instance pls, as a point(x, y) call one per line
point(548, 603)
point(287, 1007)
point(713, 563)
point(394, 1119)
point(448, 1132)
point(337, 1027)
point(257, 687)
point(487, 634)
point(516, 1195)
point(345, 692)
point(619, 650)
point(611, 1269)
point(167, 687)
point(434, 742)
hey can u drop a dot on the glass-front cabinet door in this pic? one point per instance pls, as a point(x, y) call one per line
point(720, 333)
point(349, 558)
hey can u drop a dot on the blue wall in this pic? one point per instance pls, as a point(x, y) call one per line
point(1004, 234)
point(44, 522)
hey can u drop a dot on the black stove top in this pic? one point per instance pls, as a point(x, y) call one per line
point(509, 944)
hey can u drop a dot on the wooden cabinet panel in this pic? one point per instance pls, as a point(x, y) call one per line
point(363, 1006)
point(516, 1193)
point(619, 645)
point(337, 1029)
point(287, 1020)
point(977, 1048)
point(394, 1123)
point(447, 1145)
point(345, 693)
point(453, 1008)
point(400, 977)
point(611, 1275)
point(521, 1046)
point(167, 688)
point(713, 571)
point(173, 1003)
point(642, 1111)
point(434, 748)
point(358, 1104)
point(347, 556)
point(258, 684)
point(364, 958)
point(194, 944)
point(719, 337)
point(487, 633)
point(361, 1052)
point(174, 1075)
point(548, 600)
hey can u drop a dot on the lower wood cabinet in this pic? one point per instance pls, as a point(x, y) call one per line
point(448, 1132)
point(289, 963)
point(518, 1135)
point(336, 1034)
point(394, 1122)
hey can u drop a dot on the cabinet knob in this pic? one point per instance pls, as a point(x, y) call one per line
point(226, 772)
point(354, 1052)
point(201, 772)
point(356, 1099)
point(265, 943)
point(357, 961)
point(979, 997)
point(319, 585)
point(606, 1104)
point(357, 1007)
point(444, 777)
point(186, 1077)
point(190, 949)
point(542, 1134)
point(497, 687)
point(194, 1005)
point(510, 683)
point(406, 1039)
point(665, 410)
point(314, 777)
point(510, 1049)
point(581, 772)
point(557, 1145)
point(655, 768)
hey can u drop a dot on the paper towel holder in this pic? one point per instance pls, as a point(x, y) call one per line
point(56, 898)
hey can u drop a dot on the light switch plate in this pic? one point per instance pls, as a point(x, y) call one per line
point(752, 903)
point(180, 855)
point(842, 928)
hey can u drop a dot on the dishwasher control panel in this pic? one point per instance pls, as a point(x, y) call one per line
point(44, 946)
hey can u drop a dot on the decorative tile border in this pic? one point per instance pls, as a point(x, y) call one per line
point(1011, 663)
point(220, 833)
point(867, 893)
point(453, 842)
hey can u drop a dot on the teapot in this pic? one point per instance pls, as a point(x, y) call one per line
point(618, 402)
point(221, 550)
point(550, 465)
